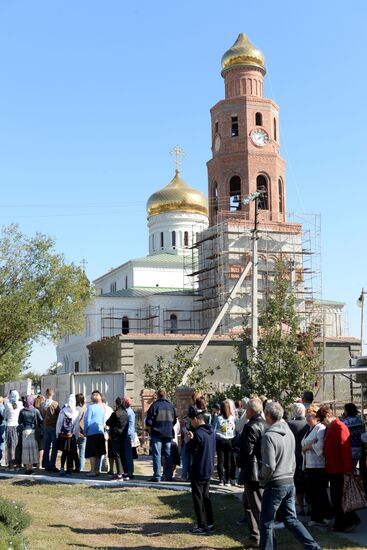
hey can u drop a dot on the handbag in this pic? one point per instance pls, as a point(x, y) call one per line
point(136, 441)
point(354, 497)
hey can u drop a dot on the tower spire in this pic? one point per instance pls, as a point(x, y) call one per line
point(177, 152)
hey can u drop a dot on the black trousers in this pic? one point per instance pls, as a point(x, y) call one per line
point(70, 456)
point(202, 503)
point(342, 520)
point(118, 448)
point(317, 489)
point(252, 503)
point(226, 464)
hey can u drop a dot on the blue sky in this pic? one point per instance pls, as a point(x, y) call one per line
point(93, 95)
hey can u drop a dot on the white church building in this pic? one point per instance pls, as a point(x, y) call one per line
point(153, 294)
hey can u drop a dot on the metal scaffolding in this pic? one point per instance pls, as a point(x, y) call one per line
point(224, 250)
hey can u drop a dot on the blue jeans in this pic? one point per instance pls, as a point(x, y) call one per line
point(2, 440)
point(128, 451)
point(282, 498)
point(49, 440)
point(185, 461)
point(159, 447)
point(82, 441)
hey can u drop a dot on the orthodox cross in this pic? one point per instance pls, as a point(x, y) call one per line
point(177, 152)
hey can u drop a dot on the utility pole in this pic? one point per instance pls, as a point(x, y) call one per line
point(360, 303)
point(255, 263)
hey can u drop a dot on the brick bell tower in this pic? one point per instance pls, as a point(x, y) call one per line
point(245, 142)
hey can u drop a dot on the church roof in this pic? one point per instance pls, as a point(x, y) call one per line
point(173, 260)
point(243, 52)
point(177, 196)
point(142, 291)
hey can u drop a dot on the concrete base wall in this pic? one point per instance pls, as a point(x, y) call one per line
point(130, 353)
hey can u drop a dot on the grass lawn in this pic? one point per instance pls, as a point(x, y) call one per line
point(73, 516)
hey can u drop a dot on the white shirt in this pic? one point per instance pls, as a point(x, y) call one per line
point(314, 458)
point(11, 415)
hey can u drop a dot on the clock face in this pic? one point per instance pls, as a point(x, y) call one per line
point(259, 137)
point(217, 143)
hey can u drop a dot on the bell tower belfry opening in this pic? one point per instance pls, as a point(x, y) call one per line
point(245, 141)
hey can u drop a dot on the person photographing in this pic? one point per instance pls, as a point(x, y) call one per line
point(200, 440)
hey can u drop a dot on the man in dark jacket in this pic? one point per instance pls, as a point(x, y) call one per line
point(201, 446)
point(160, 419)
point(250, 462)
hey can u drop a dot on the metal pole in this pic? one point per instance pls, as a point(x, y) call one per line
point(254, 309)
point(362, 315)
point(214, 326)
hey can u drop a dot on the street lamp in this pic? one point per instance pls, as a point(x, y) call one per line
point(254, 197)
point(360, 303)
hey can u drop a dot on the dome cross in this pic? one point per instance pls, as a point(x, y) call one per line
point(177, 152)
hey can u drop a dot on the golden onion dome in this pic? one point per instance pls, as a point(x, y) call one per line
point(177, 196)
point(243, 53)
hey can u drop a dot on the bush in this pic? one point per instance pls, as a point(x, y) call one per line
point(9, 540)
point(13, 516)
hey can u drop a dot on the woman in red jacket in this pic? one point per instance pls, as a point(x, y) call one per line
point(338, 456)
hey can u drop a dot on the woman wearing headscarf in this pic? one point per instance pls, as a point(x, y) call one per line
point(11, 417)
point(29, 419)
point(67, 427)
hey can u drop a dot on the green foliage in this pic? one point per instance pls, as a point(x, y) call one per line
point(13, 516)
point(14, 362)
point(41, 296)
point(11, 541)
point(233, 392)
point(285, 363)
point(168, 373)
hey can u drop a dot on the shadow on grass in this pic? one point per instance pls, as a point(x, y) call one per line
point(157, 529)
point(196, 547)
point(177, 522)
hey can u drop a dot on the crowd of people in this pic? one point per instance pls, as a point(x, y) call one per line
point(291, 464)
point(35, 428)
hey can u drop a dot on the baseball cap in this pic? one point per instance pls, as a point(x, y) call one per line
point(193, 412)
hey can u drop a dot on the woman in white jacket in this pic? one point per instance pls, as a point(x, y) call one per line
point(314, 464)
point(13, 441)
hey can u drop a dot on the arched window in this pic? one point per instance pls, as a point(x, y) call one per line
point(262, 187)
point(125, 325)
point(173, 323)
point(162, 239)
point(258, 119)
point(280, 196)
point(186, 238)
point(153, 241)
point(126, 281)
point(215, 194)
point(174, 239)
point(235, 194)
point(275, 129)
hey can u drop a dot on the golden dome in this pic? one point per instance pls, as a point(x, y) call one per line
point(177, 196)
point(243, 53)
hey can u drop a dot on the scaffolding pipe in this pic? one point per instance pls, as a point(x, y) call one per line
point(216, 323)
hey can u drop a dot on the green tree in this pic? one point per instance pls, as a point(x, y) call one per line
point(168, 373)
point(14, 362)
point(285, 363)
point(41, 296)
